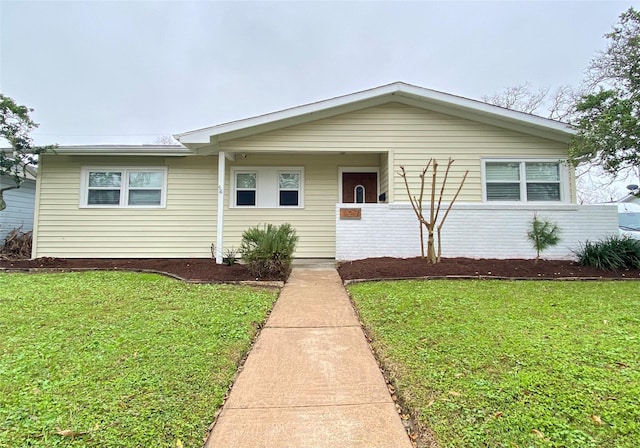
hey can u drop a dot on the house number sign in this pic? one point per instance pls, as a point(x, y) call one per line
point(350, 213)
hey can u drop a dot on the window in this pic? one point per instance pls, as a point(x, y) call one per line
point(123, 187)
point(525, 181)
point(104, 188)
point(358, 194)
point(289, 188)
point(246, 187)
point(145, 187)
point(267, 187)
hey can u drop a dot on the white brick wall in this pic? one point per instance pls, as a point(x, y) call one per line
point(471, 230)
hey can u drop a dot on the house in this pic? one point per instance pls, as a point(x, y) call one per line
point(632, 196)
point(328, 168)
point(20, 204)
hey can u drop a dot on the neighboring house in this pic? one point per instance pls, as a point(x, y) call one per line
point(20, 204)
point(303, 166)
point(632, 196)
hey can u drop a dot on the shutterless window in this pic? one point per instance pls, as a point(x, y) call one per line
point(288, 189)
point(104, 188)
point(503, 181)
point(246, 189)
point(145, 188)
point(124, 188)
point(359, 194)
point(523, 181)
point(543, 181)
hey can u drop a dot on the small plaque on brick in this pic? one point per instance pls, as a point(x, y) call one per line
point(350, 213)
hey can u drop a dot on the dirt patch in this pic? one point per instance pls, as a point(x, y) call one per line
point(374, 268)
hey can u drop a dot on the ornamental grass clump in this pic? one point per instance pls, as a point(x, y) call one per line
point(611, 253)
point(268, 250)
point(543, 234)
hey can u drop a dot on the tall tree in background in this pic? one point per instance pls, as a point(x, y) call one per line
point(608, 115)
point(15, 127)
point(554, 104)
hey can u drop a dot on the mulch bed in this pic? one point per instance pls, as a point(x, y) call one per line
point(380, 268)
point(206, 270)
point(193, 269)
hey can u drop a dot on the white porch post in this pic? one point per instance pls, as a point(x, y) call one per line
point(220, 225)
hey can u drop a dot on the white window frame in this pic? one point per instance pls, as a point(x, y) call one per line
point(564, 179)
point(235, 189)
point(355, 194)
point(267, 186)
point(124, 186)
point(299, 189)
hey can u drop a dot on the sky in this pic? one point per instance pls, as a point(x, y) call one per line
point(130, 72)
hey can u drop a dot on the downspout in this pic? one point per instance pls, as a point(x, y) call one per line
point(220, 225)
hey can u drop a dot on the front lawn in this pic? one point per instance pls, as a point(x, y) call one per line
point(113, 359)
point(512, 364)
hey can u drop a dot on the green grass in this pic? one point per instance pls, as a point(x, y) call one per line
point(133, 359)
point(512, 364)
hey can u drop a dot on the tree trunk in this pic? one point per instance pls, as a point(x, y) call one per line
point(421, 239)
point(431, 250)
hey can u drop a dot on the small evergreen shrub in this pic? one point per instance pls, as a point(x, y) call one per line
point(611, 253)
point(268, 250)
point(543, 234)
point(230, 256)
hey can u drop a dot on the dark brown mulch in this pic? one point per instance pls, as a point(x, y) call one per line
point(205, 269)
point(373, 268)
point(194, 269)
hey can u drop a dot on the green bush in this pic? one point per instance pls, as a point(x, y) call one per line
point(268, 250)
point(542, 235)
point(611, 253)
point(230, 256)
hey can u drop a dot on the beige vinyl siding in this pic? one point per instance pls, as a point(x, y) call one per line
point(185, 228)
point(384, 175)
point(315, 223)
point(384, 136)
point(414, 136)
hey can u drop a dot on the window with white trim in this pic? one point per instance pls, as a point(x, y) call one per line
point(246, 189)
point(267, 187)
point(123, 187)
point(359, 194)
point(288, 189)
point(523, 181)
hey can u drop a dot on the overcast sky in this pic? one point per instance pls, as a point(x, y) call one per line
point(129, 72)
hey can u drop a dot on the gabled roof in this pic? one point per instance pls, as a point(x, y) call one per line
point(397, 92)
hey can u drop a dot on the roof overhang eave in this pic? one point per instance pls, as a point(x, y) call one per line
point(125, 150)
point(397, 92)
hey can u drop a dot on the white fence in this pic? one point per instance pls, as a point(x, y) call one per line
point(471, 230)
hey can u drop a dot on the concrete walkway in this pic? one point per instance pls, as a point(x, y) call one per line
point(310, 379)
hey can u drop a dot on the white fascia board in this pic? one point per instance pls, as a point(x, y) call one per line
point(499, 117)
point(453, 102)
point(203, 135)
point(125, 150)
point(400, 92)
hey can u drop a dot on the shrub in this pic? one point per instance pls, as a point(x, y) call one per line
point(268, 250)
point(543, 234)
point(612, 253)
point(230, 256)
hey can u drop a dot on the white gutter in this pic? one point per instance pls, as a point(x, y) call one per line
point(124, 150)
point(220, 224)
